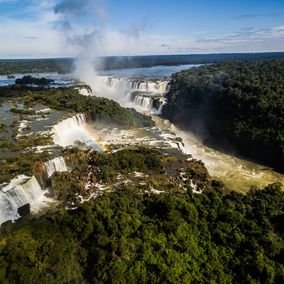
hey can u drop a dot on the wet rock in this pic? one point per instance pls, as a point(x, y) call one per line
point(24, 210)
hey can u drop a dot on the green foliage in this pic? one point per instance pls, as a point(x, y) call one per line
point(236, 105)
point(21, 66)
point(99, 109)
point(29, 80)
point(126, 161)
point(144, 169)
point(23, 111)
point(23, 163)
point(128, 237)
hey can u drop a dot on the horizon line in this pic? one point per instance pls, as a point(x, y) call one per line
point(144, 55)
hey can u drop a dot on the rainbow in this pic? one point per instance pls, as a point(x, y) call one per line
point(96, 139)
point(75, 128)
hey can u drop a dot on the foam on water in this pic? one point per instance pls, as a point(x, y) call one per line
point(75, 129)
point(20, 191)
point(55, 165)
point(236, 173)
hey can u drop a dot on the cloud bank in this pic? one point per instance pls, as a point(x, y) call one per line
point(72, 27)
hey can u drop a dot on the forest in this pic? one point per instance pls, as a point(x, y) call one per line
point(158, 217)
point(66, 65)
point(130, 232)
point(69, 99)
point(234, 106)
point(176, 237)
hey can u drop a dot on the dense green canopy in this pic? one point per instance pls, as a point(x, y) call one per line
point(236, 105)
point(128, 237)
point(147, 225)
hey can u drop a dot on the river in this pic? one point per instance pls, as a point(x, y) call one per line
point(236, 173)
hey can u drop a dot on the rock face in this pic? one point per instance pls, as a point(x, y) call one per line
point(24, 210)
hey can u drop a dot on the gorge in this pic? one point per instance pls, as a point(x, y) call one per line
point(91, 184)
point(147, 95)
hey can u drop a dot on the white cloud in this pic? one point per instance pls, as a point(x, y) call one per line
point(38, 37)
point(247, 40)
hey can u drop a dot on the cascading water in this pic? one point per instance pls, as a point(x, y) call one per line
point(72, 130)
point(55, 165)
point(162, 102)
point(66, 132)
point(151, 86)
point(20, 191)
point(227, 168)
point(147, 95)
point(144, 102)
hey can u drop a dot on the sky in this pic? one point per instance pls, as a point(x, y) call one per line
point(63, 28)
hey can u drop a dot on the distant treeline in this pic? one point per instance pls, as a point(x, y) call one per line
point(236, 105)
point(14, 66)
point(66, 65)
point(169, 60)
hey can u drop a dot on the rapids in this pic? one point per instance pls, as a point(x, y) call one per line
point(237, 174)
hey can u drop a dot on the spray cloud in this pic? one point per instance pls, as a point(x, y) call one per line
point(83, 23)
point(79, 20)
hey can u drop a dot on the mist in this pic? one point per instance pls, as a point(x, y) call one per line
point(95, 40)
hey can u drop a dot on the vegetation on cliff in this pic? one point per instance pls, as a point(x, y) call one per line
point(145, 169)
point(158, 217)
point(236, 105)
point(100, 109)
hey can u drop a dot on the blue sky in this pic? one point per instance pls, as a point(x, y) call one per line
point(46, 28)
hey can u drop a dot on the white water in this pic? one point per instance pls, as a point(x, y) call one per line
point(136, 93)
point(55, 165)
point(72, 130)
point(20, 191)
point(236, 173)
point(69, 130)
point(163, 101)
point(151, 86)
point(144, 102)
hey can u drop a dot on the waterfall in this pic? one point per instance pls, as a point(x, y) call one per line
point(144, 102)
point(155, 87)
point(66, 132)
point(151, 86)
point(84, 91)
point(72, 130)
point(141, 93)
point(146, 95)
point(162, 102)
point(20, 191)
point(56, 165)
